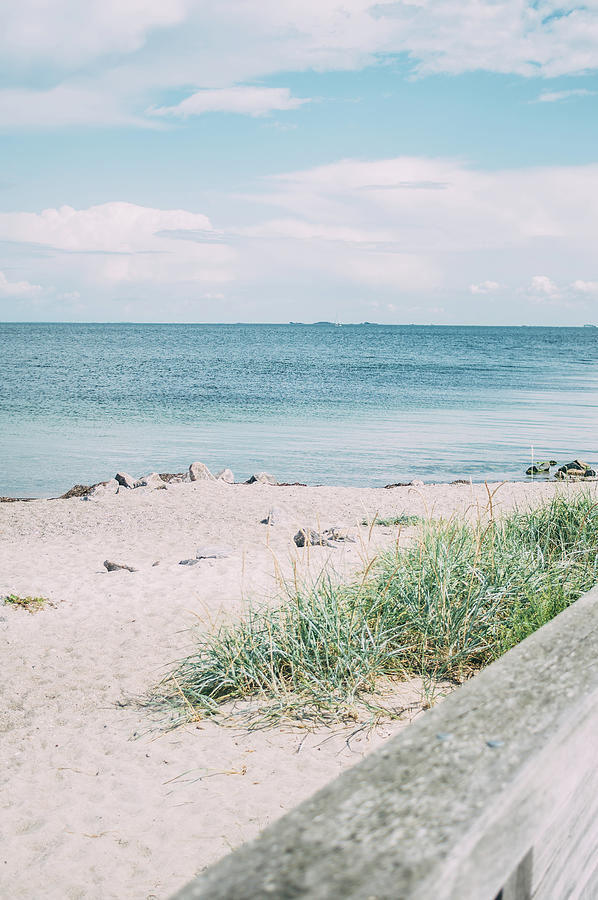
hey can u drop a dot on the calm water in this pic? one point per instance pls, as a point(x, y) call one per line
point(352, 405)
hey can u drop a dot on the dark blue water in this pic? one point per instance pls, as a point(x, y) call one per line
point(322, 404)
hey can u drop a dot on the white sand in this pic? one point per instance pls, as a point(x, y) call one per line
point(93, 803)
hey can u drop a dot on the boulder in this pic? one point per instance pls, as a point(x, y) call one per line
point(208, 551)
point(262, 478)
point(152, 480)
point(225, 475)
point(102, 489)
point(116, 567)
point(78, 490)
point(307, 537)
point(125, 480)
point(198, 471)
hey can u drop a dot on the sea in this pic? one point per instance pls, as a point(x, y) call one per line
point(361, 405)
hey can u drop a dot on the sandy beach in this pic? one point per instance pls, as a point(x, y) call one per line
point(97, 800)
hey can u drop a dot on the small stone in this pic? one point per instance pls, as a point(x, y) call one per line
point(262, 478)
point(275, 516)
point(115, 567)
point(125, 480)
point(156, 563)
point(210, 552)
point(338, 534)
point(198, 471)
point(307, 537)
point(174, 477)
point(188, 562)
point(152, 480)
point(225, 475)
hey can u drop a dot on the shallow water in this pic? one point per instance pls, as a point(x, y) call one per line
point(321, 404)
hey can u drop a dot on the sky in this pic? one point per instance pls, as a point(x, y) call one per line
point(425, 161)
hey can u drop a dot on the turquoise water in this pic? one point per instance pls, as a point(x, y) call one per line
point(362, 405)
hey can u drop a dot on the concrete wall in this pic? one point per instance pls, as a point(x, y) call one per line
point(492, 794)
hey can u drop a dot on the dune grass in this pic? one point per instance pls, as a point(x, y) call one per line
point(443, 608)
point(392, 520)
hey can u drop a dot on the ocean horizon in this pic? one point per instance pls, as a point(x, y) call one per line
point(362, 404)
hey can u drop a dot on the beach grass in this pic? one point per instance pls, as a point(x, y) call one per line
point(391, 521)
point(460, 596)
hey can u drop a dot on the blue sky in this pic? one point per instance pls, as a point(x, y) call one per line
point(266, 161)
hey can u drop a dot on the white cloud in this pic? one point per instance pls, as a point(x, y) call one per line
point(391, 201)
point(542, 286)
point(246, 100)
point(66, 104)
point(556, 96)
point(484, 287)
point(406, 231)
point(544, 290)
point(18, 288)
point(585, 287)
point(122, 242)
point(115, 227)
point(70, 33)
point(122, 54)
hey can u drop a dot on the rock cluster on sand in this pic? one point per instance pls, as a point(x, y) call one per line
point(123, 481)
point(575, 469)
point(307, 537)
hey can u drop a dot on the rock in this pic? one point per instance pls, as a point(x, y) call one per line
point(275, 516)
point(188, 562)
point(174, 477)
point(307, 537)
point(540, 467)
point(78, 490)
point(125, 480)
point(115, 567)
point(102, 489)
point(225, 475)
point(152, 480)
point(575, 469)
point(208, 551)
point(262, 478)
point(198, 471)
point(337, 534)
point(156, 563)
point(417, 482)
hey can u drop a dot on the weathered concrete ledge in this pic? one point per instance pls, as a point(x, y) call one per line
point(492, 794)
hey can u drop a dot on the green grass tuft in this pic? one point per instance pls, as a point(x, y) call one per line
point(32, 604)
point(392, 520)
point(441, 609)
